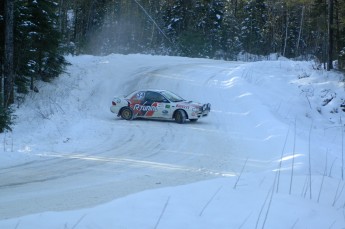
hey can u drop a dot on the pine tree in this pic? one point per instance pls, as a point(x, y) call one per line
point(319, 31)
point(7, 95)
point(340, 33)
point(196, 28)
point(176, 16)
point(252, 27)
point(192, 38)
point(2, 42)
point(213, 27)
point(37, 43)
point(230, 39)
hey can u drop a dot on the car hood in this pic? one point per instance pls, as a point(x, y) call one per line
point(189, 104)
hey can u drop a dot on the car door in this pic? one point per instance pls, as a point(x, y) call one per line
point(136, 102)
point(156, 105)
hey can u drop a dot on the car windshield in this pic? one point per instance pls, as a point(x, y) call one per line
point(171, 96)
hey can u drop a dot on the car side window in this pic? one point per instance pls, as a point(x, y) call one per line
point(139, 96)
point(152, 96)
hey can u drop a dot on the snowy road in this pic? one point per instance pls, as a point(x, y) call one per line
point(87, 156)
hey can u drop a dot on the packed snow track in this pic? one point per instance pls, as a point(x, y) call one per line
point(88, 156)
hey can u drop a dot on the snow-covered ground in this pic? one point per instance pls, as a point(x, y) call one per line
point(270, 154)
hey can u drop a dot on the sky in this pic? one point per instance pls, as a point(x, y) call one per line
point(269, 155)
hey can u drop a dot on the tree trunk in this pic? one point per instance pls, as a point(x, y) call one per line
point(9, 50)
point(338, 46)
point(300, 31)
point(286, 33)
point(330, 36)
point(61, 18)
point(235, 7)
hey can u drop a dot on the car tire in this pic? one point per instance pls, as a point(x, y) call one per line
point(193, 120)
point(126, 113)
point(180, 116)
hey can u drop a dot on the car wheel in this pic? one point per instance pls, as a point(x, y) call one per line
point(193, 120)
point(126, 113)
point(180, 116)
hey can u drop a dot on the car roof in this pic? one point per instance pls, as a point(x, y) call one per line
point(145, 90)
point(154, 90)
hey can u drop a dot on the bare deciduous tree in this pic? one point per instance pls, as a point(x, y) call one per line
point(330, 36)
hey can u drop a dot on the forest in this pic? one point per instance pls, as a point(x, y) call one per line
point(37, 34)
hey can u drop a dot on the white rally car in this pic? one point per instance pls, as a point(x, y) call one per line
point(158, 104)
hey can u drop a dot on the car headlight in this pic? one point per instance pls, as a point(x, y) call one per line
point(206, 106)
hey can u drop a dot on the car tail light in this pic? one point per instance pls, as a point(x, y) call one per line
point(113, 103)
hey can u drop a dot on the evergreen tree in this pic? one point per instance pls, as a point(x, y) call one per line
point(176, 16)
point(213, 27)
point(2, 42)
point(230, 38)
point(6, 118)
point(340, 35)
point(292, 27)
point(36, 51)
point(254, 22)
point(192, 39)
point(319, 32)
point(37, 42)
point(202, 28)
point(7, 76)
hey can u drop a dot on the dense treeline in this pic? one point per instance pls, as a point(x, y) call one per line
point(36, 34)
point(206, 28)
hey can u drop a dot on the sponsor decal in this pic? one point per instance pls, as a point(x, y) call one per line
point(182, 106)
point(165, 112)
point(167, 106)
point(139, 107)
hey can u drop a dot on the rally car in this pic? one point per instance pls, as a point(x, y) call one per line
point(158, 104)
